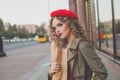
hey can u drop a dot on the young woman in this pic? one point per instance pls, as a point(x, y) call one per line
point(82, 61)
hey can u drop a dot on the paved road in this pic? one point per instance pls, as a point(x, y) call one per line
point(31, 63)
point(20, 61)
point(13, 46)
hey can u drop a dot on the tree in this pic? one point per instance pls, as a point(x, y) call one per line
point(23, 33)
point(2, 53)
point(1, 27)
point(2, 33)
point(1, 24)
point(41, 30)
point(14, 29)
point(102, 28)
point(117, 25)
point(9, 34)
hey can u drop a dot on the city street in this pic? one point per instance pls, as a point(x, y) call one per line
point(32, 63)
point(20, 61)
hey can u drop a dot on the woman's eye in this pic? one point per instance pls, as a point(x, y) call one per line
point(59, 25)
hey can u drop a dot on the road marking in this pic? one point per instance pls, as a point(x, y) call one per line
point(44, 65)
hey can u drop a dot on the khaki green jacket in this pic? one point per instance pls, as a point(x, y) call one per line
point(88, 64)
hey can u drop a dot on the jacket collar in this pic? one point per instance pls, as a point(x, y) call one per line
point(73, 46)
point(74, 43)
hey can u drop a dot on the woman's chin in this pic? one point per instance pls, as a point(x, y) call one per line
point(61, 37)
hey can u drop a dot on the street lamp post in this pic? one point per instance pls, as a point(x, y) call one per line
point(98, 25)
point(113, 29)
point(2, 53)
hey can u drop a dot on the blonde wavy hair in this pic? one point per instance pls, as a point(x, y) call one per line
point(74, 25)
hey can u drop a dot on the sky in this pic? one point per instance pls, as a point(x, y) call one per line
point(29, 11)
point(105, 10)
point(37, 11)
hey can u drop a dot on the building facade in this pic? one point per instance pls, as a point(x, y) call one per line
point(31, 28)
point(100, 16)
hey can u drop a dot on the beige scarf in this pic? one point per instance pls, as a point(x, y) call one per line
point(60, 56)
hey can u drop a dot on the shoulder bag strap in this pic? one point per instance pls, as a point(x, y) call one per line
point(75, 53)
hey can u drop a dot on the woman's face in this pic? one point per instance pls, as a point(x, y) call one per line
point(61, 28)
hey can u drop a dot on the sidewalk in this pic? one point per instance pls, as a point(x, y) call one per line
point(40, 71)
point(112, 67)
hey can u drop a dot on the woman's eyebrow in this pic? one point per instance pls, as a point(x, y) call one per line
point(59, 24)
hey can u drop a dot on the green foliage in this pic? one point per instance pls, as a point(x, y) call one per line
point(1, 33)
point(13, 31)
point(9, 34)
point(1, 27)
point(101, 27)
point(1, 24)
point(117, 26)
point(22, 33)
point(41, 30)
point(105, 28)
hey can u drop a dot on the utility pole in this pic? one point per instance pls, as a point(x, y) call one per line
point(2, 53)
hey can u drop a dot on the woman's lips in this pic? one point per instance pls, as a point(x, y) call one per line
point(60, 34)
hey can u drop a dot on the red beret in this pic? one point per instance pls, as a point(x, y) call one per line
point(64, 12)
